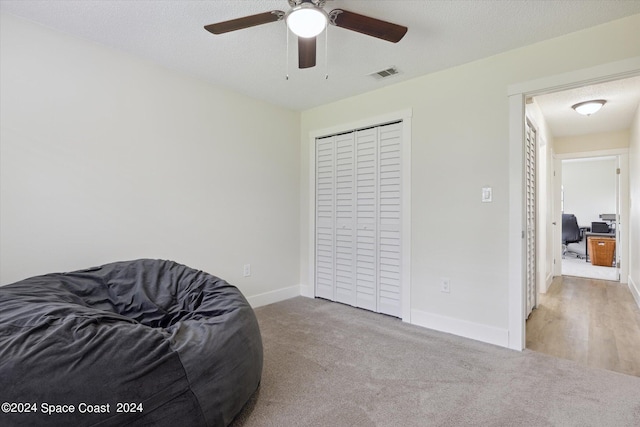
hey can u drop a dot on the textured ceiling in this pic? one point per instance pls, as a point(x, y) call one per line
point(622, 96)
point(442, 34)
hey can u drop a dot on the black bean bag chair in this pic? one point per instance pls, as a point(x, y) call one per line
point(139, 343)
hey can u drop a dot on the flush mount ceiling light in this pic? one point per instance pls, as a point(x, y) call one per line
point(587, 108)
point(306, 20)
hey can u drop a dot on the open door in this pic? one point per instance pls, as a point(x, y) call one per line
point(558, 208)
point(531, 218)
point(617, 222)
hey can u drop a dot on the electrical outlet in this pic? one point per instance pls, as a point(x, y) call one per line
point(246, 271)
point(445, 285)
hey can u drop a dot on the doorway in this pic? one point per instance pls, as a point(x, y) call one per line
point(590, 191)
point(589, 187)
point(518, 95)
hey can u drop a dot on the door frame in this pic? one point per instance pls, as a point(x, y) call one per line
point(517, 94)
point(405, 117)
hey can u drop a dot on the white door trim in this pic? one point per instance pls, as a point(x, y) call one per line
point(517, 94)
point(557, 215)
point(405, 117)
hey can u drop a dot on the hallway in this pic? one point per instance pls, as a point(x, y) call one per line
point(592, 322)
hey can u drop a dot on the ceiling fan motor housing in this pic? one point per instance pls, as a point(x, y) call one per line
point(317, 3)
point(306, 19)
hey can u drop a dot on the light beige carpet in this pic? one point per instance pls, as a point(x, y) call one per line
point(327, 364)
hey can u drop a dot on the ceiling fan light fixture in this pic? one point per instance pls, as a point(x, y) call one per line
point(587, 108)
point(306, 20)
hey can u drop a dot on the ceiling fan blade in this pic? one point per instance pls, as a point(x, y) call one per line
point(306, 52)
point(245, 22)
point(366, 25)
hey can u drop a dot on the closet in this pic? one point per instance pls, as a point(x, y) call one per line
point(358, 218)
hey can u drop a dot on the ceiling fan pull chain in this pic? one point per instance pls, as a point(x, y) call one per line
point(286, 29)
point(326, 56)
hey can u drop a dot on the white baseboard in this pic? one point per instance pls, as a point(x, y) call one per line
point(307, 291)
point(635, 290)
point(463, 328)
point(274, 296)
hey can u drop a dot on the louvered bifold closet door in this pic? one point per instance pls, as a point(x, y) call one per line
point(325, 217)
point(345, 220)
point(358, 218)
point(389, 219)
point(366, 218)
point(530, 194)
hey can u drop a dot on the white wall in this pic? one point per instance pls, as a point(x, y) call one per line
point(634, 208)
point(106, 157)
point(589, 188)
point(460, 144)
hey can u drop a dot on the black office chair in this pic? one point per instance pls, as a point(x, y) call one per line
point(572, 241)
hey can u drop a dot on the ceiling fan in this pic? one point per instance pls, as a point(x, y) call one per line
point(307, 19)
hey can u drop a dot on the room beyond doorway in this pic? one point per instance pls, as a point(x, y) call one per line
point(590, 192)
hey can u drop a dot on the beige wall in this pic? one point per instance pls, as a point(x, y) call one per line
point(460, 144)
point(106, 157)
point(592, 142)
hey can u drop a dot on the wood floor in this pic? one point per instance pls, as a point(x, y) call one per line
point(593, 322)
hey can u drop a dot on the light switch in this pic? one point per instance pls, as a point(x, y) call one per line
point(487, 194)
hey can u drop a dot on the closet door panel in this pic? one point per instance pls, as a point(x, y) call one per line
point(366, 218)
point(390, 216)
point(345, 220)
point(325, 218)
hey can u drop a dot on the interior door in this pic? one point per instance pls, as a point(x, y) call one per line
point(366, 218)
point(558, 208)
point(618, 226)
point(390, 220)
point(325, 218)
point(345, 290)
point(530, 213)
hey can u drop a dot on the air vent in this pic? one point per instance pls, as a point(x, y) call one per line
point(391, 71)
